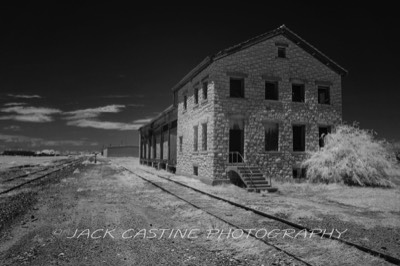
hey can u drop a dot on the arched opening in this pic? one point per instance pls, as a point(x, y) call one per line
point(235, 179)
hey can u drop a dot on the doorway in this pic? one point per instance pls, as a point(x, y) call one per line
point(236, 140)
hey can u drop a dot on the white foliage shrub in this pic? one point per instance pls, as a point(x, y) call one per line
point(354, 157)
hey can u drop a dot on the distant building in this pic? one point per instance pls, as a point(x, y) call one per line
point(254, 108)
point(121, 151)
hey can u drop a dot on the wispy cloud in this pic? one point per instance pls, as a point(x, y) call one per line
point(36, 142)
point(12, 128)
point(93, 112)
point(89, 118)
point(24, 96)
point(104, 124)
point(14, 104)
point(29, 114)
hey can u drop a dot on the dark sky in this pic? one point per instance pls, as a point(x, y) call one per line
point(76, 76)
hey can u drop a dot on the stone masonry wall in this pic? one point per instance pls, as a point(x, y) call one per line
point(260, 63)
point(196, 115)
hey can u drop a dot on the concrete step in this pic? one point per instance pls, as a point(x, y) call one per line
point(256, 181)
point(252, 175)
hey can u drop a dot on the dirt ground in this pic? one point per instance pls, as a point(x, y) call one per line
point(99, 214)
point(371, 216)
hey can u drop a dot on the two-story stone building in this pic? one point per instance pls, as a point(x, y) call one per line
point(262, 103)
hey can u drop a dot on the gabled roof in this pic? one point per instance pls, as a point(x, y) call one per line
point(282, 30)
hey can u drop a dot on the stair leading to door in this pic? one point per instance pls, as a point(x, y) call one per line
point(251, 176)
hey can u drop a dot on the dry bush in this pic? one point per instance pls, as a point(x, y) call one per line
point(354, 157)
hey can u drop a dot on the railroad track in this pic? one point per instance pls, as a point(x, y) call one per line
point(32, 173)
point(24, 179)
point(165, 184)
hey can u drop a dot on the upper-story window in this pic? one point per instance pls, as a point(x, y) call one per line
point(195, 138)
point(271, 90)
point(204, 136)
point(298, 93)
point(282, 52)
point(299, 137)
point(181, 143)
point(205, 90)
point(184, 102)
point(196, 95)
point(236, 87)
point(324, 95)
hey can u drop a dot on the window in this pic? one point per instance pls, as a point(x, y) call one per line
point(181, 143)
point(299, 172)
point(299, 138)
point(204, 136)
point(196, 170)
point(323, 95)
point(195, 138)
point(196, 96)
point(237, 87)
point(298, 93)
point(205, 90)
point(184, 102)
point(323, 131)
point(271, 136)
point(271, 90)
point(281, 52)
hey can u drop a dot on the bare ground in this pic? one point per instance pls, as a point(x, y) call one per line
point(370, 215)
point(101, 197)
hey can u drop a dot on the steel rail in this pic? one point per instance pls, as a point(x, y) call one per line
point(386, 257)
point(40, 177)
point(219, 218)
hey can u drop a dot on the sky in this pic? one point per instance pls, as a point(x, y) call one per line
point(82, 76)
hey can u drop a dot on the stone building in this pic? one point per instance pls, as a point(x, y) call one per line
point(261, 104)
point(121, 151)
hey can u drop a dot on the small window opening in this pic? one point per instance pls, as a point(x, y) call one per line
point(298, 93)
point(281, 52)
point(196, 170)
point(196, 96)
point(323, 95)
point(271, 90)
point(323, 131)
point(184, 102)
point(299, 172)
point(299, 137)
point(205, 90)
point(195, 138)
point(237, 87)
point(181, 143)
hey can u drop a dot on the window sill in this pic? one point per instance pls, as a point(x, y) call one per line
point(298, 102)
point(298, 152)
point(184, 111)
point(237, 98)
point(203, 152)
point(284, 58)
point(272, 101)
point(324, 104)
point(204, 102)
point(272, 152)
point(196, 105)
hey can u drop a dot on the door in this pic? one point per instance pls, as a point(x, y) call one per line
point(236, 141)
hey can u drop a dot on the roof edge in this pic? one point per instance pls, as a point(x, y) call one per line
point(260, 38)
